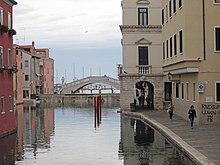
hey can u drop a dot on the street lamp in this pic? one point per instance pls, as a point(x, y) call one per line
point(169, 76)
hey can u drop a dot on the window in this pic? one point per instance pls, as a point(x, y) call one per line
point(142, 16)
point(10, 103)
point(171, 47)
point(182, 91)
point(217, 88)
point(187, 91)
point(9, 20)
point(9, 57)
point(26, 77)
point(1, 56)
point(167, 49)
point(163, 50)
point(174, 6)
point(162, 16)
point(1, 16)
point(175, 44)
point(194, 91)
point(26, 63)
point(217, 39)
point(168, 91)
point(181, 40)
point(170, 8)
point(2, 104)
point(177, 90)
point(143, 55)
point(180, 3)
point(216, 1)
point(166, 13)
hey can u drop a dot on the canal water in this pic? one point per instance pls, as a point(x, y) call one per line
point(74, 136)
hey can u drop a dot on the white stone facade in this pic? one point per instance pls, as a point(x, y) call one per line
point(141, 52)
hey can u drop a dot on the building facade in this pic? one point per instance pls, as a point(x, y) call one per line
point(37, 70)
point(7, 117)
point(47, 70)
point(141, 71)
point(191, 51)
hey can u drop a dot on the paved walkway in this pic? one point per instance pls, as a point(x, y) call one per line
point(201, 144)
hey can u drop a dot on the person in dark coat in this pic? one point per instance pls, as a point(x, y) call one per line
point(170, 110)
point(192, 115)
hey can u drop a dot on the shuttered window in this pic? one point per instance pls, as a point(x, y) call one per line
point(143, 55)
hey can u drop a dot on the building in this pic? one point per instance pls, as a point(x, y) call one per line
point(191, 54)
point(37, 70)
point(47, 70)
point(141, 71)
point(7, 117)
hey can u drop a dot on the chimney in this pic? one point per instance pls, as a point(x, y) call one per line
point(33, 43)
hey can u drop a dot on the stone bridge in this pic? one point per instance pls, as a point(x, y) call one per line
point(74, 86)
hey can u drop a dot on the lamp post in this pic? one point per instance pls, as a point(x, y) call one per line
point(169, 76)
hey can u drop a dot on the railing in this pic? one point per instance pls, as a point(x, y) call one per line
point(144, 69)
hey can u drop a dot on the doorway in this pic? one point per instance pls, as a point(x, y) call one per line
point(144, 95)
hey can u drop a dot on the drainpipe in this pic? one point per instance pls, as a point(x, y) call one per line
point(204, 37)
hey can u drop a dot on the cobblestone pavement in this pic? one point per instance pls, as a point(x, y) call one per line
point(201, 144)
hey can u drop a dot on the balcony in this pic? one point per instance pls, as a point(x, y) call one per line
point(144, 69)
point(139, 69)
point(38, 83)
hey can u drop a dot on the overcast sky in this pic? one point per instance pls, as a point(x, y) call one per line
point(83, 35)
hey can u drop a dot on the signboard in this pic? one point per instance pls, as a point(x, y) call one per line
point(201, 87)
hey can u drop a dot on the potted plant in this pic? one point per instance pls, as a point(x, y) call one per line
point(3, 29)
point(11, 32)
point(12, 69)
point(2, 69)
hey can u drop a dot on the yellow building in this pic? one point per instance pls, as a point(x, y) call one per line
point(191, 55)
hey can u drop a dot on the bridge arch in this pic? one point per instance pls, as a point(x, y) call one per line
point(74, 86)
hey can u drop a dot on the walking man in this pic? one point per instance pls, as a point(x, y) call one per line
point(192, 115)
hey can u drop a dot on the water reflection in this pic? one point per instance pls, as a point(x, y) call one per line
point(141, 145)
point(7, 150)
point(67, 136)
point(35, 127)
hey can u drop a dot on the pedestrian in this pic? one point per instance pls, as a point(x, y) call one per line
point(170, 110)
point(192, 115)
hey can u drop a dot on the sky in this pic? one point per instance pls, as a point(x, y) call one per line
point(83, 36)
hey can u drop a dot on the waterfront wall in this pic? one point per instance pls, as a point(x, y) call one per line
point(79, 100)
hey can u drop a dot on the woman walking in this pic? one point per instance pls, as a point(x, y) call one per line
point(192, 115)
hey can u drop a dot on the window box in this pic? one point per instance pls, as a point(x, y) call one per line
point(2, 69)
point(12, 69)
point(3, 29)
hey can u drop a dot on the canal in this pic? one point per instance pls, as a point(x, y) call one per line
point(74, 136)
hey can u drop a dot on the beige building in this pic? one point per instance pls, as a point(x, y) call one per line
point(191, 55)
point(141, 71)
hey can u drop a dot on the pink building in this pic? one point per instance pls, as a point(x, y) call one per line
point(7, 117)
point(47, 70)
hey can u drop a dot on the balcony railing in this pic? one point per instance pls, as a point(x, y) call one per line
point(139, 69)
point(144, 69)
